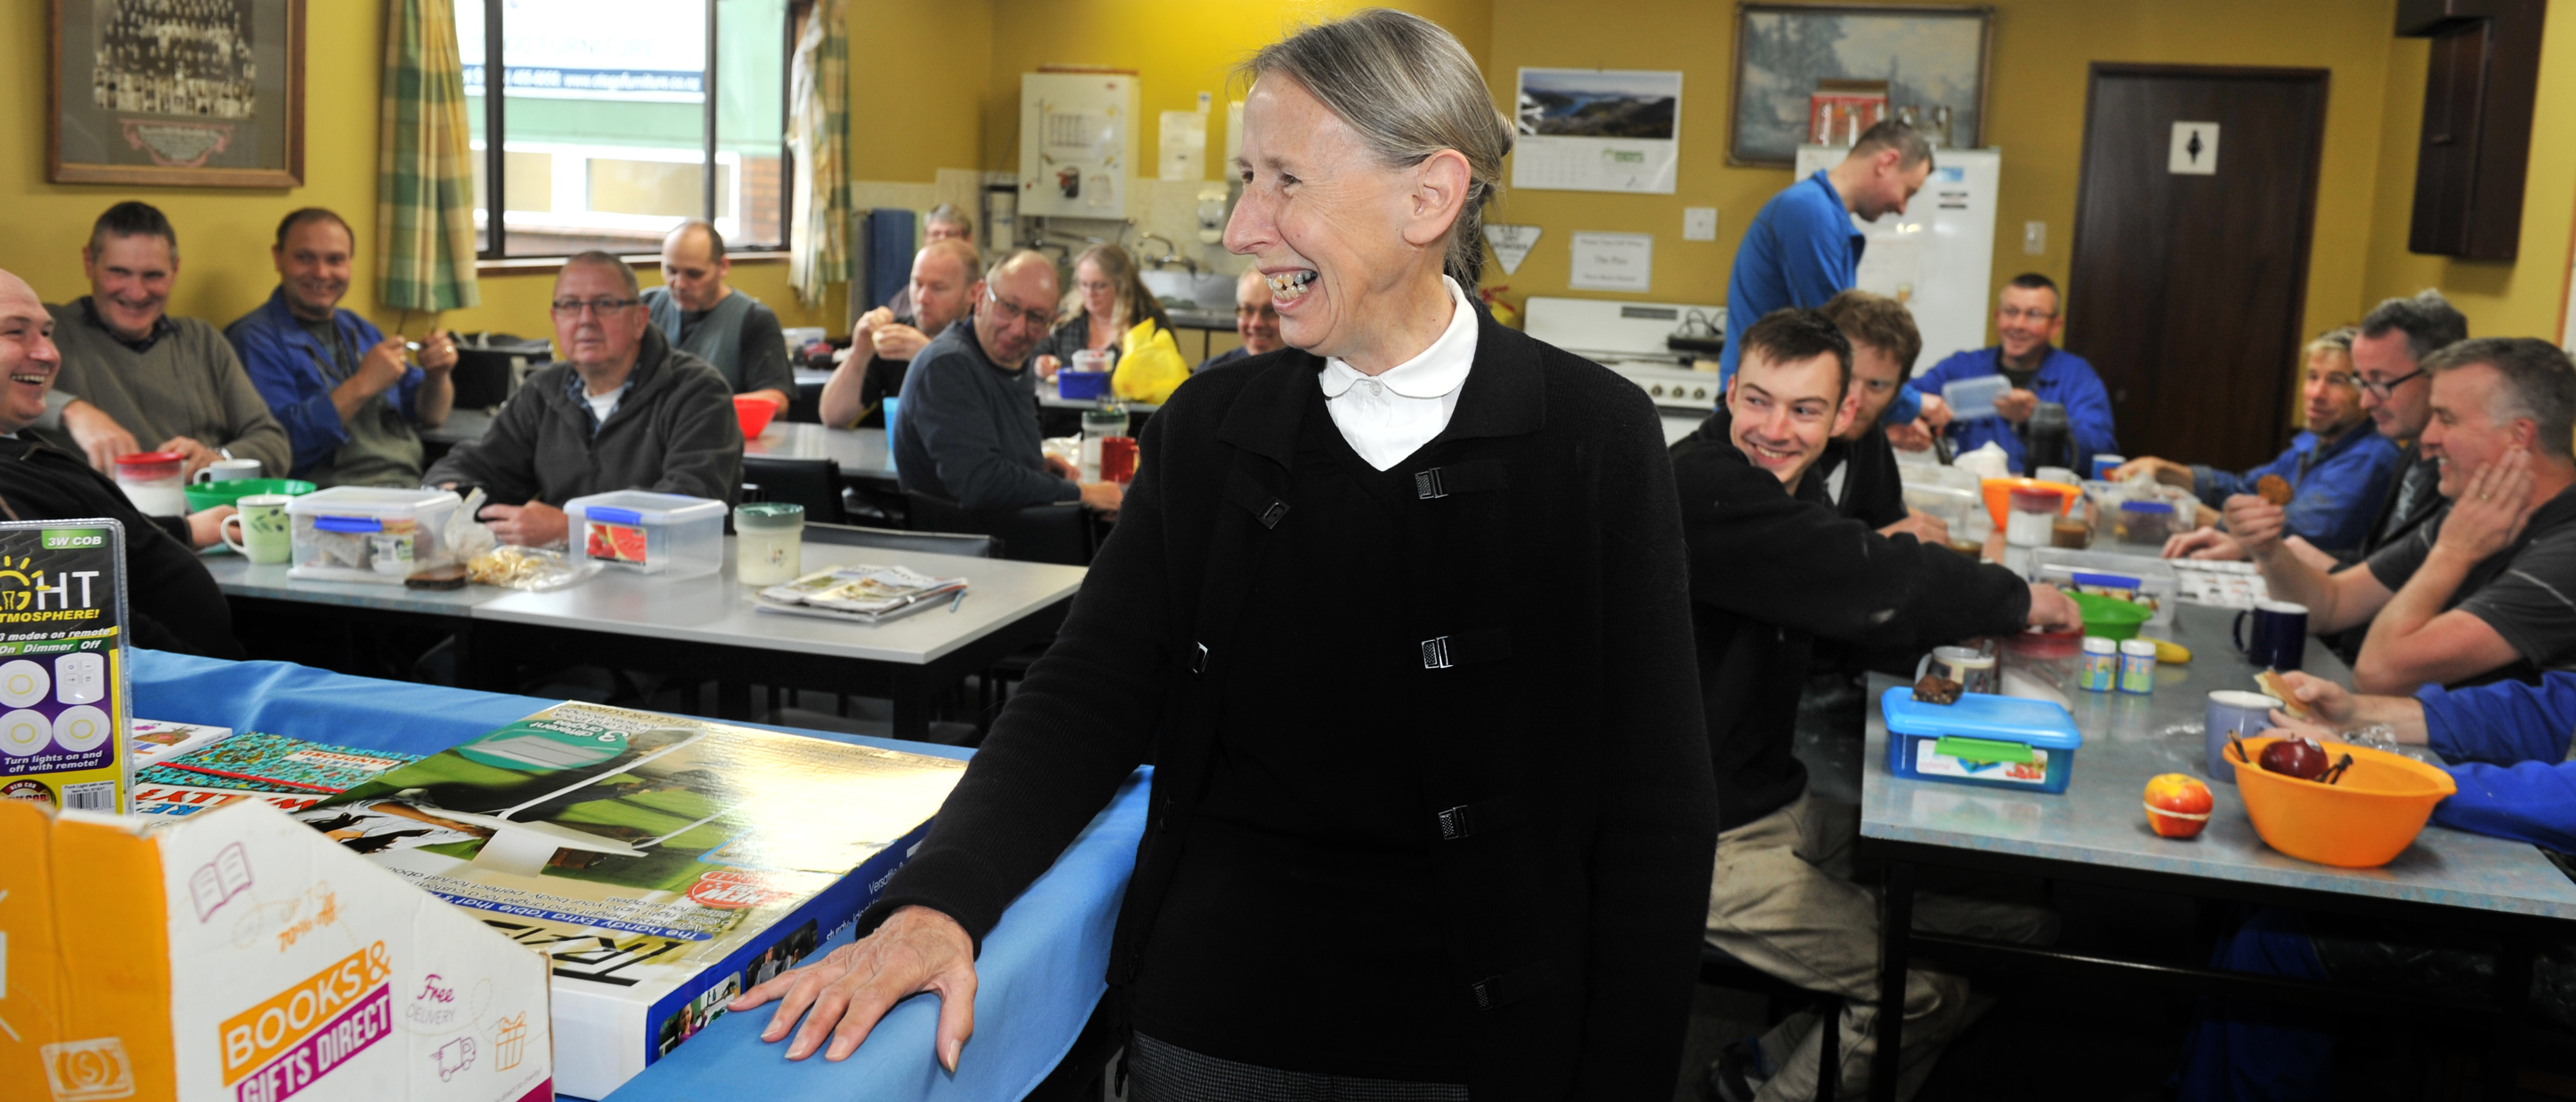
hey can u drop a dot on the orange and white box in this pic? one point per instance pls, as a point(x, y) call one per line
point(237, 955)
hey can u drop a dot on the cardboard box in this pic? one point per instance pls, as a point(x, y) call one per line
point(663, 863)
point(236, 955)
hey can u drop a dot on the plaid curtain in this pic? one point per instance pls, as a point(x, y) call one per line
point(424, 164)
point(818, 128)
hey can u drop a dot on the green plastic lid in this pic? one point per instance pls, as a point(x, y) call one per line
point(769, 516)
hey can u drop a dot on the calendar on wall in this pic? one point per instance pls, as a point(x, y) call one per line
point(1597, 130)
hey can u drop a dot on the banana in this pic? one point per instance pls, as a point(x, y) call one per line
point(2168, 653)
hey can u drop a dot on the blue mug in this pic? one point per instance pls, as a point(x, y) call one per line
point(2280, 636)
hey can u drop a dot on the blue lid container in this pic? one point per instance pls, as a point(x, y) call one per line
point(1081, 386)
point(1993, 741)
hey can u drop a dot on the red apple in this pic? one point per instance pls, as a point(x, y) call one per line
point(2177, 805)
point(2295, 757)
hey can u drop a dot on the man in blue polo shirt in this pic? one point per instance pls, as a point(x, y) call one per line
point(1802, 249)
point(2028, 320)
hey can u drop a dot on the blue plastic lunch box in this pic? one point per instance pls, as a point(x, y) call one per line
point(1994, 741)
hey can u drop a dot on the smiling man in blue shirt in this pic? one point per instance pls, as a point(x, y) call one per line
point(2029, 317)
point(1802, 249)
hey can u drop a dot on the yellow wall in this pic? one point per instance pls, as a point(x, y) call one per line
point(919, 72)
point(2035, 114)
point(2521, 298)
point(224, 233)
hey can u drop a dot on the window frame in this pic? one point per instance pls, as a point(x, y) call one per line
point(494, 252)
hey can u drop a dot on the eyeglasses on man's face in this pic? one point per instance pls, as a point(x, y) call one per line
point(1013, 312)
point(2015, 313)
point(2381, 390)
point(572, 307)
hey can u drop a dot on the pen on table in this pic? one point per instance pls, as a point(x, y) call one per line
point(956, 601)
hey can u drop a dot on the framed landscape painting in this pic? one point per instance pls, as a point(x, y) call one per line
point(1930, 57)
point(203, 93)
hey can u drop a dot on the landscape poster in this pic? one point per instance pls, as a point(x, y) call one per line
point(1597, 130)
point(1932, 58)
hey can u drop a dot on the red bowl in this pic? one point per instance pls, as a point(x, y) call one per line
point(754, 412)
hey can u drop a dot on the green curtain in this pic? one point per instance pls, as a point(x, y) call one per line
point(424, 164)
point(818, 128)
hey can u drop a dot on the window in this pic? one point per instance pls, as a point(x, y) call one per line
point(619, 119)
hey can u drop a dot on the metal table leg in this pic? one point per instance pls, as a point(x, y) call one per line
point(1895, 929)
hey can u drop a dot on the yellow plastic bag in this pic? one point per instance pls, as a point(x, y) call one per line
point(1150, 366)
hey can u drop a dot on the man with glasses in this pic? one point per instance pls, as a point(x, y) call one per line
point(623, 411)
point(1255, 320)
point(966, 429)
point(2028, 321)
point(2337, 470)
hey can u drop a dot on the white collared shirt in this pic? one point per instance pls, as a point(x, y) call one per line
point(1391, 415)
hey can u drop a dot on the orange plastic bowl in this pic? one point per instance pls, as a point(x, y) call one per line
point(2361, 822)
point(1998, 493)
point(754, 412)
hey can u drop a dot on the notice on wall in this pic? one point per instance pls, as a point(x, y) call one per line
point(2195, 149)
point(1597, 130)
point(1613, 262)
point(1512, 244)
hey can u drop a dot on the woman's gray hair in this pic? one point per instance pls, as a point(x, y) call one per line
point(1410, 90)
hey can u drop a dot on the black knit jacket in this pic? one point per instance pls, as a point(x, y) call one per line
point(1551, 678)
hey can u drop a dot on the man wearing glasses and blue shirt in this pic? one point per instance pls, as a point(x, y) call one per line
point(966, 429)
point(2029, 320)
point(623, 411)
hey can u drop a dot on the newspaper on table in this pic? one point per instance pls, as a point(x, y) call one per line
point(663, 863)
point(867, 594)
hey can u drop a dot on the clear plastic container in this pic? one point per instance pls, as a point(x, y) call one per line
point(1973, 398)
point(151, 481)
point(2034, 513)
point(2146, 523)
point(2143, 579)
point(769, 542)
point(368, 534)
point(671, 535)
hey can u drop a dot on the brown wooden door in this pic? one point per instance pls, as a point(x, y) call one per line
point(2186, 290)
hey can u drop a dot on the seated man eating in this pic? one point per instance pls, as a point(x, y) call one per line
point(2480, 592)
point(623, 411)
point(966, 429)
point(2336, 472)
point(171, 602)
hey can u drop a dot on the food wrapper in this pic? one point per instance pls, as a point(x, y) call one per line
point(468, 538)
point(536, 570)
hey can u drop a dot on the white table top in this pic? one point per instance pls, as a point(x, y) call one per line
point(717, 609)
point(862, 453)
point(2128, 739)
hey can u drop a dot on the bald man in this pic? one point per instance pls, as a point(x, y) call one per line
point(1255, 320)
point(172, 603)
point(968, 431)
point(943, 292)
point(701, 315)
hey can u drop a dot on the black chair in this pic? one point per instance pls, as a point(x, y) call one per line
point(1056, 533)
point(970, 544)
point(812, 483)
point(1720, 968)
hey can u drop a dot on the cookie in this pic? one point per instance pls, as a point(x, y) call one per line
point(2275, 489)
point(1935, 689)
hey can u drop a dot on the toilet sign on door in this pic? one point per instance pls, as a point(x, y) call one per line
point(2195, 149)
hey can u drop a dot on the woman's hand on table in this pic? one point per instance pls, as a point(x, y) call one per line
point(852, 987)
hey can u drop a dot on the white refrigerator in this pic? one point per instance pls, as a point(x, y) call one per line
point(1938, 257)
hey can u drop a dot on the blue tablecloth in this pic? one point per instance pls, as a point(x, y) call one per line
point(1038, 979)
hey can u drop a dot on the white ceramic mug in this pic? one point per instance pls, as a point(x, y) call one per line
point(226, 470)
point(262, 523)
point(1973, 671)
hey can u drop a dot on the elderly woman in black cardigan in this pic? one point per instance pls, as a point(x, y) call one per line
point(1399, 615)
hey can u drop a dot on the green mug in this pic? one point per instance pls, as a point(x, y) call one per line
point(262, 520)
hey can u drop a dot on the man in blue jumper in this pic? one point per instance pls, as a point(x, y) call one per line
point(2508, 745)
point(347, 397)
point(2028, 321)
point(1802, 248)
point(2338, 469)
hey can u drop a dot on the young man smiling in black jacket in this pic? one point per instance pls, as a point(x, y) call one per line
point(1774, 567)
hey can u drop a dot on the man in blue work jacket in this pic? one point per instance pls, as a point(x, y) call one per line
point(2337, 470)
point(2028, 320)
point(1802, 248)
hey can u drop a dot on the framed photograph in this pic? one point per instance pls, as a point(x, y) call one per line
point(1932, 58)
point(189, 93)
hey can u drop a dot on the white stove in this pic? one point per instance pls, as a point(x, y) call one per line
point(1630, 338)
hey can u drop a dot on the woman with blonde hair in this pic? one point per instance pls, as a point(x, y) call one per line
point(1400, 616)
point(1108, 299)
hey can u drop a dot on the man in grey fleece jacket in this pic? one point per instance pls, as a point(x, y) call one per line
point(968, 431)
point(627, 412)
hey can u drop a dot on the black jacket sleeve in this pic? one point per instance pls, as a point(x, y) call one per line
point(1760, 553)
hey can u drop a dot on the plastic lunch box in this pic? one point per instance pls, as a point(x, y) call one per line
point(369, 534)
point(673, 535)
point(1993, 741)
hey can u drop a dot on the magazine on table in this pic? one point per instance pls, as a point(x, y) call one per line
point(663, 863)
point(866, 594)
point(289, 774)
